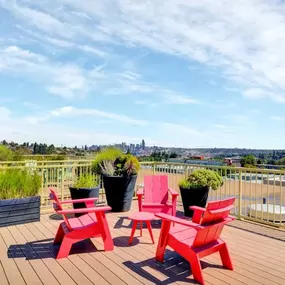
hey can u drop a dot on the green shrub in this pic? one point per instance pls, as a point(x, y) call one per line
point(6, 154)
point(86, 181)
point(108, 154)
point(112, 161)
point(202, 178)
point(17, 183)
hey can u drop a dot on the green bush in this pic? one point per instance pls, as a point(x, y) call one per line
point(17, 183)
point(87, 181)
point(108, 154)
point(202, 178)
point(113, 161)
point(6, 154)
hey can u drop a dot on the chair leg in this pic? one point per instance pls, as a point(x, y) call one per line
point(59, 235)
point(148, 224)
point(225, 256)
point(162, 242)
point(133, 232)
point(141, 224)
point(64, 248)
point(105, 231)
point(196, 269)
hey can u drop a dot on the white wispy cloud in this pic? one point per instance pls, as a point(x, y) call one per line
point(243, 39)
point(70, 111)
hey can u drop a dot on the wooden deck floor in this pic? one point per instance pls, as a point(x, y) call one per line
point(27, 257)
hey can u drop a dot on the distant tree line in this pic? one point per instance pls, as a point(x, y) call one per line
point(158, 156)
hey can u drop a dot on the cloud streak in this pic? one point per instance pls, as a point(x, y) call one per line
point(70, 111)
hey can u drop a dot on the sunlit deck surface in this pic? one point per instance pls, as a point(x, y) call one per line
point(27, 257)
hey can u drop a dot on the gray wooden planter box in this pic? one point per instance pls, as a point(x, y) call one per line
point(19, 211)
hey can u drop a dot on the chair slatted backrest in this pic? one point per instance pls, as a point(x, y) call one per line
point(213, 224)
point(57, 206)
point(210, 233)
point(217, 211)
point(156, 189)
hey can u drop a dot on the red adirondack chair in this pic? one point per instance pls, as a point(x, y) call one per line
point(204, 214)
point(72, 230)
point(196, 240)
point(155, 193)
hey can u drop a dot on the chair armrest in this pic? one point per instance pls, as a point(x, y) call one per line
point(197, 215)
point(196, 208)
point(140, 192)
point(179, 221)
point(79, 201)
point(221, 210)
point(85, 210)
point(173, 192)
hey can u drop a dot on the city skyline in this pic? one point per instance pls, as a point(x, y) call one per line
point(186, 74)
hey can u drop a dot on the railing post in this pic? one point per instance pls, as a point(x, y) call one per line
point(62, 183)
point(240, 195)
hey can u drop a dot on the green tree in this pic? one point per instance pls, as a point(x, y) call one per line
point(248, 160)
point(5, 153)
point(173, 155)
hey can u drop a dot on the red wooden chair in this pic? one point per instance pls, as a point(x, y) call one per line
point(194, 241)
point(204, 214)
point(156, 196)
point(72, 230)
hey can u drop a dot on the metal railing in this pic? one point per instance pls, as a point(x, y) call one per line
point(259, 193)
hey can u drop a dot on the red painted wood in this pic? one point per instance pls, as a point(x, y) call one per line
point(215, 211)
point(140, 217)
point(72, 230)
point(156, 199)
point(196, 240)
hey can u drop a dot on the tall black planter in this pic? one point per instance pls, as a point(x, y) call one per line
point(119, 191)
point(82, 193)
point(19, 211)
point(193, 197)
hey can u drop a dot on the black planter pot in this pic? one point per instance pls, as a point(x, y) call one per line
point(193, 197)
point(19, 211)
point(82, 193)
point(119, 191)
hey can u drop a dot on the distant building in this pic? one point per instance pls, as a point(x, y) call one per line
point(143, 144)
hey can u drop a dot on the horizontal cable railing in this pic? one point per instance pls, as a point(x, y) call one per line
point(259, 193)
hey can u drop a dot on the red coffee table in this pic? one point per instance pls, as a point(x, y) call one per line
point(140, 217)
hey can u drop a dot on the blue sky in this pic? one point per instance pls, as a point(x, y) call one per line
point(175, 73)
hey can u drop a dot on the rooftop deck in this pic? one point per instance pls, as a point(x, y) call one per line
point(27, 257)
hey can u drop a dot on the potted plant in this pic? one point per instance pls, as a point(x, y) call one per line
point(19, 199)
point(119, 172)
point(85, 186)
point(195, 188)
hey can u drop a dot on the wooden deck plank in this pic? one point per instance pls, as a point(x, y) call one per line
point(27, 271)
point(11, 270)
point(3, 277)
point(113, 257)
point(257, 259)
point(84, 267)
point(58, 271)
point(66, 265)
point(39, 266)
point(243, 271)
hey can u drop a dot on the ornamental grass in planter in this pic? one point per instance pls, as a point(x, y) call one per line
point(195, 188)
point(119, 172)
point(20, 202)
point(85, 186)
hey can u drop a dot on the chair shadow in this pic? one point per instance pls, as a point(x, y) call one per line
point(45, 248)
point(58, 217)
point(174, 269)
point(125, 222)
point(122, 241)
